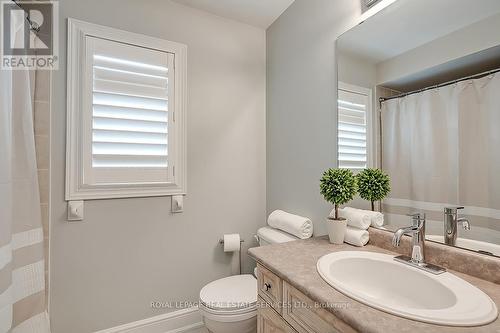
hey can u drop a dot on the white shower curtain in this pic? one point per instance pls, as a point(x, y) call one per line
point(22, 272)
point(441, 147)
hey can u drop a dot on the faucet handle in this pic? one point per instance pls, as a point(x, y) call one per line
point(418, 218)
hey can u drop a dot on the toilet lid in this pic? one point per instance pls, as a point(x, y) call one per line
point(234, 292)
point(274, 236)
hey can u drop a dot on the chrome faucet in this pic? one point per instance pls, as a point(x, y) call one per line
point(417, 250)
point(417, 231)
point(451, 222)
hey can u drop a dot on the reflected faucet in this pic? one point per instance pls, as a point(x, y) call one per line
point(417, 250)
point(451, 222)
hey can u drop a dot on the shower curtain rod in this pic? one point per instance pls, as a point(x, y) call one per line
point(33, 25)
point(474, 76)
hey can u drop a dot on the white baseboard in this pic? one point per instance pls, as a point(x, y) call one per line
point(181, 321)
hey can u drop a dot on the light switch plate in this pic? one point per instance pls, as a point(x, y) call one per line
point(75, 210)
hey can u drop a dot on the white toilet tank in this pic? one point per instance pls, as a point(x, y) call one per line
point(268, 235)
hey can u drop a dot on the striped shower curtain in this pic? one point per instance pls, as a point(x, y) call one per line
point(22, 272)
point(441, 147)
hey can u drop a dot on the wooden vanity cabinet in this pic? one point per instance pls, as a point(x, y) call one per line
point(284, 309)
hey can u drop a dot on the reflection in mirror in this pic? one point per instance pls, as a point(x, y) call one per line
point(430, 70)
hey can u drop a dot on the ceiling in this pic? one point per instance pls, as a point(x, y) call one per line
point(416, 23)
point(259, 13)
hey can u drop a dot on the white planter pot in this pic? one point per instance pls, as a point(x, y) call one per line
point(336, 230)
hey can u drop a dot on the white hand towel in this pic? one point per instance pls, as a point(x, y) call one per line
point(360, 218)
point(298, 226)
point(356, 237)
point(377, 219)
point(355, 218)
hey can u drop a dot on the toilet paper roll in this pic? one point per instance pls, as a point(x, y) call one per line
point(232, 243)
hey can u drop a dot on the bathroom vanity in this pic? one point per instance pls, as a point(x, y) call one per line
point(294, 298)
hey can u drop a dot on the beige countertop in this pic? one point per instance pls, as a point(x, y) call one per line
point(295, 262)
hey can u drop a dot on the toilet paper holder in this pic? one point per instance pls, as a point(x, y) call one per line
point(221, 242)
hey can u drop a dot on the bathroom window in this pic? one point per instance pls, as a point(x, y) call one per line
point(354, 127)
point(126, 114)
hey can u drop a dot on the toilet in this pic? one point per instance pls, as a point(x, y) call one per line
point(229, 305)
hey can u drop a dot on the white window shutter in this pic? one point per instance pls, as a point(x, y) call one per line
point(130, 113)
point(130, 108)
point(353, 108)
point(123, 91)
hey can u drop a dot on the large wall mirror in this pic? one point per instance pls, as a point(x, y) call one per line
point(419, 97)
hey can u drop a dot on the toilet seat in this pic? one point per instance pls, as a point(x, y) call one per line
point(229, 300)
point(230, 295)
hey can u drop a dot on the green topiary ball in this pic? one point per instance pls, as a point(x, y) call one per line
point(338, 186)
point(373, 185)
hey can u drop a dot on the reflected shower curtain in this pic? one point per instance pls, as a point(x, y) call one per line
point(22, 272)
point(441, 147)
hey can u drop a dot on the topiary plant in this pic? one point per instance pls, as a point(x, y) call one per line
point(373, 185)
point(338, 186)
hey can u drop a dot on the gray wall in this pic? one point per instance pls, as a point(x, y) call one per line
point(301, 103)
point(355, 70)
point(127, 253)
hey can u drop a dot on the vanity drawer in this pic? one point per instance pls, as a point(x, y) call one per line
point(269, 321)
point(270, 287)
point(300, 312)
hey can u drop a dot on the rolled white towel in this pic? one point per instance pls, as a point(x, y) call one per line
point(298, 226)
point(377, 219)
point(356, 237)
point(360, 218)
point(355, 218)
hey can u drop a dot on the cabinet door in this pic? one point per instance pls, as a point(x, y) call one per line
point(270, 287)
point(268, 321)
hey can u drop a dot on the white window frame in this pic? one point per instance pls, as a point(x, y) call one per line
point(77, 150)
point(370, 140)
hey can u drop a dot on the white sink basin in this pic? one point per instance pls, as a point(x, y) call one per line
point(378, 281)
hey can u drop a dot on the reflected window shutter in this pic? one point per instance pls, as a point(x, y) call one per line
point(352, 130)
point(130, 93)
